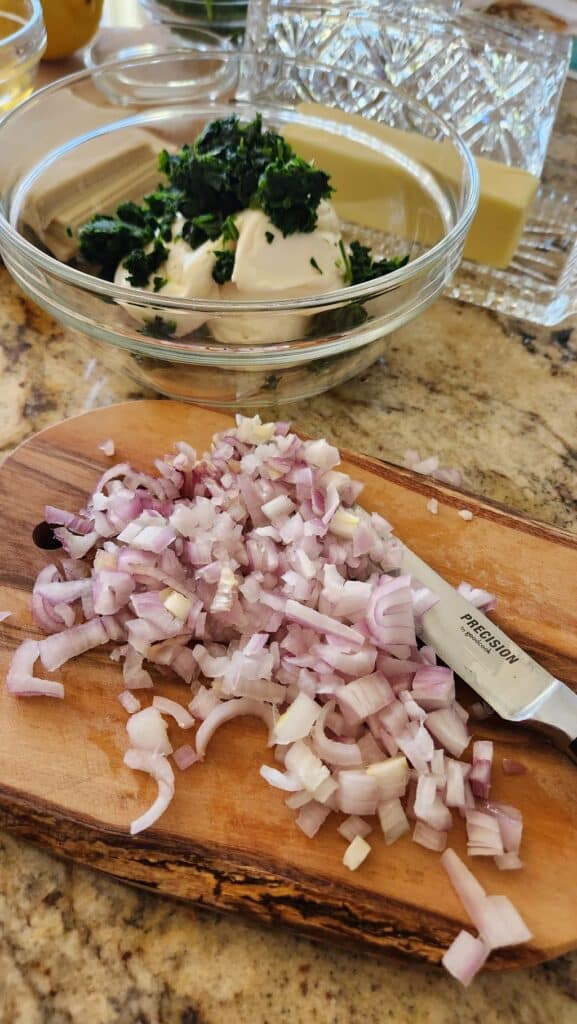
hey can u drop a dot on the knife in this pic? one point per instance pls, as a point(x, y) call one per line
point(491, 663)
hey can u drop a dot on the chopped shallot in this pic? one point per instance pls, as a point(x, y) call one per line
point(147, 731)
point(354, 826)
point(480, 598)
point(185, 756)
point(311, 817)
point(465, 957)
point(20, 679)
point(394, 821)
point(107, 447)
point(251, 577)
point(181, 716)
point(497, 920)
point(429, 837)
point(511, 767)
point(129, 702)
point(158, 767)
point(356, 852)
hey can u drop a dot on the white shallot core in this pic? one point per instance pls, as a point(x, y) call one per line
point(147, 731)
point(253, 579)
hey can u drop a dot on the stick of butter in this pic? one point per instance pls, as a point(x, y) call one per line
point(375, 193)
point(93, 178)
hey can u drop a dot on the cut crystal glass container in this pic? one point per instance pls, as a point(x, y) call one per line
point(497, 83)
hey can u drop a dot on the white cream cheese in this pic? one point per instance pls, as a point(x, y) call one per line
point(267, 266)
point(188, 274)
point(281, 268)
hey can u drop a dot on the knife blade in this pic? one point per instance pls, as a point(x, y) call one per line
point(494, 666)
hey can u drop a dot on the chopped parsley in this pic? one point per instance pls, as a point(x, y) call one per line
point(289, 192)
point(203, 228)
point(315, 265)
point(141, 264)
point(345, 266)
point(159, 282)
point(158, 327)
point(363, 268)
point(269, 237)
point(345, 318)
point(229, 230)
point(223, 265)
point(220, 172)
point(105, 241)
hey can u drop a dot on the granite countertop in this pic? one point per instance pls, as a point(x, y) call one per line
point(495, 396)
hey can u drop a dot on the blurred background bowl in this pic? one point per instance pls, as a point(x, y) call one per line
point(22, 43)
point(414, 194)
point(225, 17)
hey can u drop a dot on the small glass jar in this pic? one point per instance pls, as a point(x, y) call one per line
point(22, 43)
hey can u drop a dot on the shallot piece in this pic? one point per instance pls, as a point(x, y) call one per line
point(225, 712)
point(185, 756)
point(495, 917)
point(181, 716)
point(129, 702)
point(431, 467)
point(480, 776)
point(465, 957)
point(4, 615)
point(354, 826)
point(158, 767)
point(20, 679)
point(147, 731)
point(482, 599)
point(356, 852)
point(511, 767)
point(107, 447)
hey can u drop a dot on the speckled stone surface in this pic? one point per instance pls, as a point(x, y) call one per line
point(498, 398)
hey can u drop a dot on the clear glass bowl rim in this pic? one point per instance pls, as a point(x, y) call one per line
point(35, 21)
point(49, 264)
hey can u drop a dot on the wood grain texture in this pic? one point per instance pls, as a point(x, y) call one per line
point(227, 840)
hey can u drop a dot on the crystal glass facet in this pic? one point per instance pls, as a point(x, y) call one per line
point(498, 84)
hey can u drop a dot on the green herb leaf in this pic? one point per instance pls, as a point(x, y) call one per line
point(269, 237)
point(289, 192)
point(141, 265)
point(315, 265)
point(105, 241)
point(159, 282)
point(229, 230)
point(345, 318)
point(347, 270)
point(158, 327)
point(223, 266)
point(364, 268)
point(202, 228)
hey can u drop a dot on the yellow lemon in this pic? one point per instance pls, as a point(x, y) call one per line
point(70, 24)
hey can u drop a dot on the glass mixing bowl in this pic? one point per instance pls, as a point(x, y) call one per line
point(80, 147)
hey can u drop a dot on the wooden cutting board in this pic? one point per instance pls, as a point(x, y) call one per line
point(227, 840)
